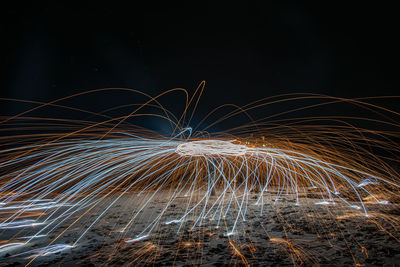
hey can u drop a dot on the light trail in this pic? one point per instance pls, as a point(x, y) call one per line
point(67, 177)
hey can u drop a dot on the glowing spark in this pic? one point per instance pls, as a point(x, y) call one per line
point(10, 246)
point(323, 203)
point(19, 224)
point(211, 148)
point(229, 234)
point(172, 221)
point(46, 251)
point(366, 182)
point(134, 240)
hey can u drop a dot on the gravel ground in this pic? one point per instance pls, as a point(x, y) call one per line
point(283, 234)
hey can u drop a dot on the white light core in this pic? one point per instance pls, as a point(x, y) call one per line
point(211, 148)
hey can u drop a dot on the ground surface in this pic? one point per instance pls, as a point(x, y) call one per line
point(284, 234)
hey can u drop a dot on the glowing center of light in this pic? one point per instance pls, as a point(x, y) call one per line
point(211, 148)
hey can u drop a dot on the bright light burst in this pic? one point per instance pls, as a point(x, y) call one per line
point(208, 148)
point(53, 182)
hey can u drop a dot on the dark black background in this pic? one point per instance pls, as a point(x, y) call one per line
point(243, 51)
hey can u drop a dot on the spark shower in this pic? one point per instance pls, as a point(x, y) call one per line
point(61, 177)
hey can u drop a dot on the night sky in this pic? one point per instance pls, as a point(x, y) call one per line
point(244, 52)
